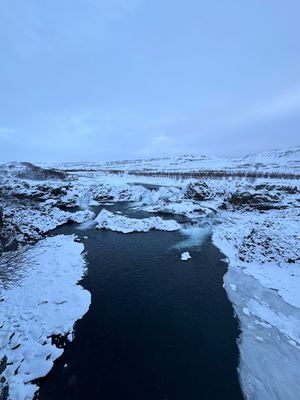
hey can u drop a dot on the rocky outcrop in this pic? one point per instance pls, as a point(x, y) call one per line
point(257, 201)
point(278, 188)
point(34, 172)
point(30, 209)
point(198, 191)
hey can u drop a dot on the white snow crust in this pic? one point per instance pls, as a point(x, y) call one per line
point(45, 300)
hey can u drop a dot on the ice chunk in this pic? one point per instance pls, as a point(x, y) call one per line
point(185, 256)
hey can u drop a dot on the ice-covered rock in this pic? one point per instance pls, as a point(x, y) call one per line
point(81, 216)
point(183, 207)
point(122, 192)
point(198, 191)
point(119, 223)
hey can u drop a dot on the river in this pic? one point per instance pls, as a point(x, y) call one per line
point(157, 327)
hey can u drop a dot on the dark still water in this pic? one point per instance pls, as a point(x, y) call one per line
point(157, 328)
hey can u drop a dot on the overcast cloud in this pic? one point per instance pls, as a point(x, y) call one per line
point(108, 79)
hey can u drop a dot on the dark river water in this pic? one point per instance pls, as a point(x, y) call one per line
point(157, 327)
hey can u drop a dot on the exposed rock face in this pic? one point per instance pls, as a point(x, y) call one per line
point(257, 201)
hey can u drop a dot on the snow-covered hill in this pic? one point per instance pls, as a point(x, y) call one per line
point(26, 170)
point(280, 160)
point(286, 160)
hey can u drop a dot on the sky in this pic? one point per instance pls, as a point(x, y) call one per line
point(97, 80)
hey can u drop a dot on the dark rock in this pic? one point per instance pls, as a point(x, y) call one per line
point(280, 188)
point(291, 261)
point(61, 191)
point(3, 364)
point(257, 201)
point(197, 191)
point(103, 198)
point(4, 393)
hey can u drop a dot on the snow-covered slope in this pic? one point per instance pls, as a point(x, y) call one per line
point(286, 160)
point(280, 160)
point(289, 154)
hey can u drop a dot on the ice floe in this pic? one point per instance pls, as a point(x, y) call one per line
point(185, 256)
point(119, 223)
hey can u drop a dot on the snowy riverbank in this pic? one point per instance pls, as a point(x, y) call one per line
point(43, 300)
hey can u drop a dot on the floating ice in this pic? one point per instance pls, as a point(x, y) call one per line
point(118, 223)
point(185, 256)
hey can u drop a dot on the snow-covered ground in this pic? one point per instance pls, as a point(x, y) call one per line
point(42, 300)
point(255, 223)
point(263, 283)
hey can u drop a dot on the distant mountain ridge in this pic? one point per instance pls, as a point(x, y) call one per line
point(290, 153)
point(283, 160)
